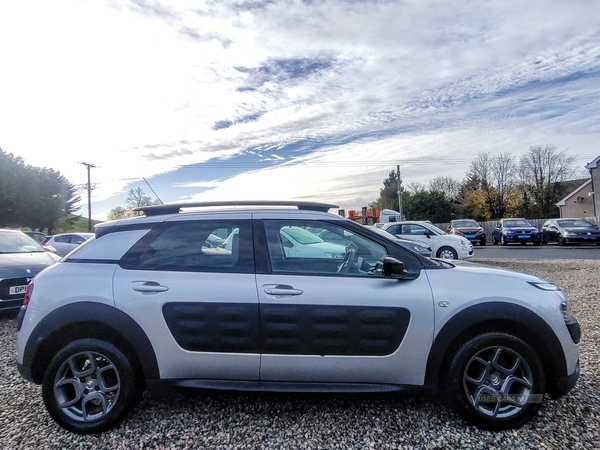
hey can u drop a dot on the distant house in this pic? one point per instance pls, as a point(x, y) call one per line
point(594, 168)
point(578, 203)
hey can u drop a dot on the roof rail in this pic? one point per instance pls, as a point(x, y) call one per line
point(174, 208)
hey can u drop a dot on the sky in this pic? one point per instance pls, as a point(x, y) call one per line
point(291, 100)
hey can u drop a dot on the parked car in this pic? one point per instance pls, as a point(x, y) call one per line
point(21, 258)
point(66, 242)
point(515, 230)
point(469, 229)
point(570, 231)
point(415, 246)
point(37, 236)
point(144, 306)
point(298, 242)
point(445, 246)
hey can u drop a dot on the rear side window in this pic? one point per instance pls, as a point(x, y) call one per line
point(63, 239)
point(194, 246)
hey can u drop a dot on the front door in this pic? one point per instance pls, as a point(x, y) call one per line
point(333, 316)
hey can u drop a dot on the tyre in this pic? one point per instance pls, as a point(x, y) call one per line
point(494, 241)
point(496, 381)
point(447, 253)
point(537, 243)
point(502, 241)
point(560, 240)
point(482, 242)
point(89, 386)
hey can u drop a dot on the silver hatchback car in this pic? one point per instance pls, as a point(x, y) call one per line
point(150, 303)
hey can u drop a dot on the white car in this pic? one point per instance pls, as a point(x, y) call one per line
point(300, 243)
point(66, 242)
point(445, 246)
point(148, 304)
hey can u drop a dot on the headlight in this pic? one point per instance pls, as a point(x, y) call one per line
point(565, 310)
point(570, 233)
point(479, 233)
point(545, 286)
point(462, 242)
point(420, 248)
point(508, 232)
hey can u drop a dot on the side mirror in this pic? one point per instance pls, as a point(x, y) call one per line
point(392, 268)
point(50, 249)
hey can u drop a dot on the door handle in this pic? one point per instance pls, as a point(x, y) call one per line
point(281, 290)
point(148, 287)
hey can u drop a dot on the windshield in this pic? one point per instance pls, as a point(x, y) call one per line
point(435, 229)
point(574, 223)
point(464, 223)
point(516, 223)
point(301, 235)
point(17, 242)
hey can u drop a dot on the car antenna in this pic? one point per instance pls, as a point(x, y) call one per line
point(161, 202)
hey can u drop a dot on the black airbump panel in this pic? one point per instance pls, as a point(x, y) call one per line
point(332, 330)
point(214, 327)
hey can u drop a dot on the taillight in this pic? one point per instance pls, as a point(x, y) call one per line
point(44, 241)
point(28, 293)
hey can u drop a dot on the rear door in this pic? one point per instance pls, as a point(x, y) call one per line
point(197, 302)
point(327, 318)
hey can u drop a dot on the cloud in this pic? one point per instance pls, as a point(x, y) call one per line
point(324, 95)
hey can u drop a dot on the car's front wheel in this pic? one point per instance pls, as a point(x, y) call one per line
point(447, 253)
point(89, 386)
point(496, 381)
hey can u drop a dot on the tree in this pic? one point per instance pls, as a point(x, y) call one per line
point(34, 197)
point(428, 205)
point(447, 185)
point(388, 196)
point(135, 198)
point(496, 175)
point(542, 170)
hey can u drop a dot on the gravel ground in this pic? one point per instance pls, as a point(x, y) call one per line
point(230, 421)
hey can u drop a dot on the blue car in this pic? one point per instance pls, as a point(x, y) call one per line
point(509, 231)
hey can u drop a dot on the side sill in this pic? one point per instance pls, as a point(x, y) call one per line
point(275, 386)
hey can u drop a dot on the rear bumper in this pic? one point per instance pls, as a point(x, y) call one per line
point(10, 305)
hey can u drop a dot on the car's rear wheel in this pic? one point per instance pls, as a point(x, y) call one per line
point(447, 253)
point(496, 381)
point(89, 386)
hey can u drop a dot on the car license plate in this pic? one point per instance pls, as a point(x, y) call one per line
point(16, 290)
point(524, 236)
point(469, 236)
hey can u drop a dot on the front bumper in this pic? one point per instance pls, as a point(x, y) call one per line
point(520, 238)
point(563, 385)
point(581, 240)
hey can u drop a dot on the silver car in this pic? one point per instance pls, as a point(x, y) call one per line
point(149, 304)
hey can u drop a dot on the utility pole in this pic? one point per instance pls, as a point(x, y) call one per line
point(399, 192)
point(89, 192)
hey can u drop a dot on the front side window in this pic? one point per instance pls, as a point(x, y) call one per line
point(326, 249)
point(194, 246)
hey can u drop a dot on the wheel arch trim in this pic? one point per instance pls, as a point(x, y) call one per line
point(78, 316)
point(497, 316)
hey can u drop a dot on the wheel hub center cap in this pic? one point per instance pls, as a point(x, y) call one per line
point(495, 380)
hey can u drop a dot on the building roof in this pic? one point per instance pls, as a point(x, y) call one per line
point(593, 164)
